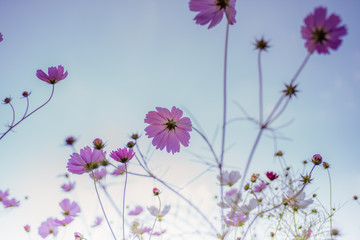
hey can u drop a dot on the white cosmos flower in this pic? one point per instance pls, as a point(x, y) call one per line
point(298, 200)
point(229, 178)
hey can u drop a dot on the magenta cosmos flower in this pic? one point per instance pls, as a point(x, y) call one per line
point(69, 208)
point(55, 74)
point(212, 11)
point(1, 37)
point(86, 161)
point(321, 32)
point(122, 155)
point(168, 129)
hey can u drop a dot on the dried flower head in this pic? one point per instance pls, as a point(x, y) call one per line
point(261, 45)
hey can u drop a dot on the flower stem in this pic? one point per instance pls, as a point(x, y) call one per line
point(102, 208)
point(331, 213)
point(123, 210)
point(260, 90)
point(152, 229)
point(224, 119)
point(22, 119)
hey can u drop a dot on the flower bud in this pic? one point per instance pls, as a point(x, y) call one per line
point(279, 154)
point(7, 100)
point(70, 141)
point(130, 144)
point(135, 136)
point(254, 177)
point(26, 93)
point(98, 144)
point(27, 228)
point(156, 191)
point(317, 159)
point(325, 165)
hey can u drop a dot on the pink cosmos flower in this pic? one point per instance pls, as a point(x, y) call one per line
point(10, 202)
point(321, 32)
point(168, 129)
point(99, 174)
point(54, 74)
point(27, 228)
point(48, 227)
point(70, 209)
point(86, 161)
point(136, 211)
point(119, 170)
point(212, 11)
point(122, 155)
point(3, 195)
point(260, 187)
point(97, 222)
point(271, 176)
point(64, 222)
point(67, 187)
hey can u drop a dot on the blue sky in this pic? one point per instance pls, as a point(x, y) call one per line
point(124, 58)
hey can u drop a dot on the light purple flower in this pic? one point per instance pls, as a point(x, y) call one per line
point(3, 195)
point(64, 222)
point(69, 208)
point(10, 202)
point(122, 155)
point(236, 220)
point(119, 170)
point(322, 32)
point(97, 221)
point(231, 199)
point(67, 187)
point(55, 74)
point(212, 11)
point(168, 129)
point(48, 227)
point(136, 211)
point(99, 174)
point(155, 211)
point(229, 178)
point(86, 161)
point(260, 187)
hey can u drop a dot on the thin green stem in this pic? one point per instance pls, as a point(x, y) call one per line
point(102, 208)
point(331, 210)
point(152, 229)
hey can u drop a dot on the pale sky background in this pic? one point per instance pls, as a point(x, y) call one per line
point(124, 58)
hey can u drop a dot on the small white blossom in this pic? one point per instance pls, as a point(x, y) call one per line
point(229, 178)
point(298, 200)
